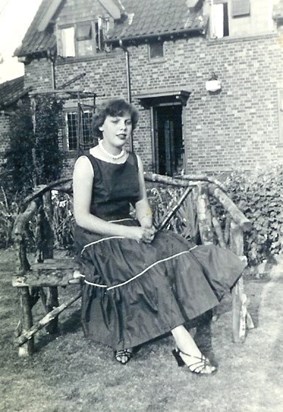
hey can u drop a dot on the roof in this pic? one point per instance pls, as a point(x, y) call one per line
point(11, 91)
point(36, 42)
point(140, 19)
point(152, 18)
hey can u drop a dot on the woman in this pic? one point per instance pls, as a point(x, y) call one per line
point(138, 283)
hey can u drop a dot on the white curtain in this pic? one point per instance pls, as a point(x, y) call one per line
point(217, 20)
point(68, 42)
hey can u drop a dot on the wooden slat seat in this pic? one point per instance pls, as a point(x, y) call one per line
point(51, 272)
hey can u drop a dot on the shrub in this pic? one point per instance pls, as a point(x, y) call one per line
point(48, 156)
point(34, 156)
point(19, 165)
point(259, 195)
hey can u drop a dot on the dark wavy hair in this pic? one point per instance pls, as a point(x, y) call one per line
point(114, 108)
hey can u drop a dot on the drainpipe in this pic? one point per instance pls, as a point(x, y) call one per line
point(51, 55)
point(53, 74)
point(128, 80)
point(128, 75)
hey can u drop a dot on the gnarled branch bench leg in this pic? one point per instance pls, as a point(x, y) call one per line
point(50, 302)
point(26, 320)
point(241, 319)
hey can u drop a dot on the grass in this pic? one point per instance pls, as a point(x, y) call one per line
point(71, 373)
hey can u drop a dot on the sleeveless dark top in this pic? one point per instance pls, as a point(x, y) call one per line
point(115, 187)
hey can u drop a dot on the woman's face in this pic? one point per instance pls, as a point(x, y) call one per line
point(116, 130)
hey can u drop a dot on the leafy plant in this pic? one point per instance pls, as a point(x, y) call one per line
point(8, 213)
point(18, 168)
point(259, 195)
point(34, 156)
point(63, 221)
point(48, 156)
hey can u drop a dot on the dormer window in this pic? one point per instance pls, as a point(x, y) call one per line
point(221, 11)
point(81, 39)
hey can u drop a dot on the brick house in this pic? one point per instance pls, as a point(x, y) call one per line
point(206, 75)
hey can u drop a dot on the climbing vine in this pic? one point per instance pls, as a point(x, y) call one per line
point(48, 157)
point(34, 156)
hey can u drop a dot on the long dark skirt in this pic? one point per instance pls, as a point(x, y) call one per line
point(134, 292)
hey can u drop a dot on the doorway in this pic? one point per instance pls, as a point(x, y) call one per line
point(168, 139)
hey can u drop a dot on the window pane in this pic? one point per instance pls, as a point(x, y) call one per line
point(87, 130)
point(83, 31)
point(85, 48)
point(72, 131)
point(156, 50)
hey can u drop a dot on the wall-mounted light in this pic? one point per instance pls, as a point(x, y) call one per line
point(213, 84)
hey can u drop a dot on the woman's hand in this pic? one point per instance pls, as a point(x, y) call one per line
point(141, 234)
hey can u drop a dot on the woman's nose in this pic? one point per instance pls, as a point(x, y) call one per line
point(123, 126)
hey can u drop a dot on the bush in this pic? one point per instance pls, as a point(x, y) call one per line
point(259, 195)
point(19, 165)
point(34, 156)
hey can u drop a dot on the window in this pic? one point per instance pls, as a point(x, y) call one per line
point(240, 8)
point(156, 50)
point(79, 135)
point(219, 15)
point(81, 39)
point(219, 20)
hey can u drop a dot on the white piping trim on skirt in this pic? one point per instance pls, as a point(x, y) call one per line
point(141, 273)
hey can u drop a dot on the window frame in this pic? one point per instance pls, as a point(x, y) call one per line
point(88, 139)
point(156, 58)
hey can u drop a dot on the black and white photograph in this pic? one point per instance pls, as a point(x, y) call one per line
point(141, 205)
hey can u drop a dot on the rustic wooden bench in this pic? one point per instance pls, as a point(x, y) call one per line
point(52, 268)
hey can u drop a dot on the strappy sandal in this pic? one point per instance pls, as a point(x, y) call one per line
point(123, 356)
point(201, 366)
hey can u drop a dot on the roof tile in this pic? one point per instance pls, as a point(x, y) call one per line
point(11, 91)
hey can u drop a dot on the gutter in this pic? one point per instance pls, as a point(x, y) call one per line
point(165, 36)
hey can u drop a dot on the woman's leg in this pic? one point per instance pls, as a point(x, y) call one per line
point(184, 341)
point(189, 354)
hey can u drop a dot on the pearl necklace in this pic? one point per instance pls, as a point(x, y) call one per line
point(114, 157)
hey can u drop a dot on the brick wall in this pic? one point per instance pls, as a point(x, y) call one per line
point(4, 130)
point(38, 74)
point(237, 127)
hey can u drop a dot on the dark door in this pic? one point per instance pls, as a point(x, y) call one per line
point(168, 139)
